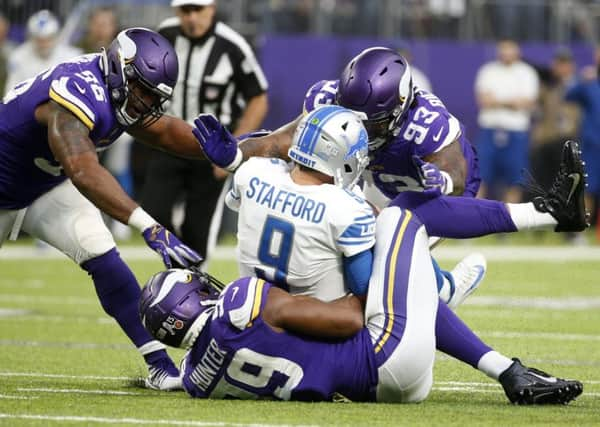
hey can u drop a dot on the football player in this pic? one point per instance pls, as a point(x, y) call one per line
point(415, 144)
point(254, 340)
point(52, 186)
point(301, 225)
point(271, 239)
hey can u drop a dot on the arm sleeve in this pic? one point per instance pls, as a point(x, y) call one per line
point(357, 271)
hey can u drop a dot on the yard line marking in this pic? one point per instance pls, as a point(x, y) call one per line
point(558, 303)
point(24, 315)
point(541, 335)
point(8, 396)
point(104, 420)
point(46, 299)
point(77, 345)
point(80, 391)
point(70, 377)
point(444, 252)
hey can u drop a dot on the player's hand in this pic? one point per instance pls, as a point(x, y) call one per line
point(218, 144)
point(173, 252)
point(433, 179)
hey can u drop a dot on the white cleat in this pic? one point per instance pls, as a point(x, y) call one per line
point(160, 379)
point(468, 275)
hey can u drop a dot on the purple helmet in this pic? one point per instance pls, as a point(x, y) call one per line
point(143, 56)
point(176, 304)
point(377, 82)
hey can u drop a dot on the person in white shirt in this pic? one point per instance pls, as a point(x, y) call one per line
point(42, 49)
point(506, 90)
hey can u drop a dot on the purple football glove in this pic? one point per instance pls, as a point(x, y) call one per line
point(433, 179)
point(169, 247)
point(217, 143)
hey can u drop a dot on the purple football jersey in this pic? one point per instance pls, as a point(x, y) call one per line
point(427, 128)
point(237, 355)
point(28, 168)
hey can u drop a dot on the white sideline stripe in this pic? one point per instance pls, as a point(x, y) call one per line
point(70, 377)
point(104, 420)
point(78, 345)
point(544, 335)
point(449, 252)
point(79, 391)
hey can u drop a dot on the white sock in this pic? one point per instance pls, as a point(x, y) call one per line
point(526, 217)
point(493, 364)
point(445, 293)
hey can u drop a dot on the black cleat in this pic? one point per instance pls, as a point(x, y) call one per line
point(565, 199)
point(528, 386)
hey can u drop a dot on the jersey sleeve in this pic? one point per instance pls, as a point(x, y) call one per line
point(242, 301)
point(354, 225)
point(321, 93)
point(78, 96)
point(431, 126)
point(233, 198)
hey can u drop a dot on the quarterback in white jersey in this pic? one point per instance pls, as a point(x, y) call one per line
point(300, 225)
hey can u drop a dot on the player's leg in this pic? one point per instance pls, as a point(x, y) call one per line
point(521, 384)
point(7, 221)
point(401, 308)
point(202, 194)
point(163, 185)
point(562, 207)
point(69, 222)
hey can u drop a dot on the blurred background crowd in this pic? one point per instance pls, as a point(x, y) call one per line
point(538, 58)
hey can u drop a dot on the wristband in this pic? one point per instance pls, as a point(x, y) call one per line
point(140, 219)
point(239, 157)
point(449, 187)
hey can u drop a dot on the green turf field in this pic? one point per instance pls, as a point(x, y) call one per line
point(63, 362)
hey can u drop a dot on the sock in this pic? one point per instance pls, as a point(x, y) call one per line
point(445, 282)
point(493, 364)
point(455, 338)
point(158, 358)
point(457, 217)
point(119, 294)
point(526, 217)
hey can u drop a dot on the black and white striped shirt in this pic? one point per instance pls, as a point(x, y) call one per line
point(218, 73)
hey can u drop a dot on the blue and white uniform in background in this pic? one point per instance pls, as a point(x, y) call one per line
point(32, 183)
point(297, 235)
point(427, 128)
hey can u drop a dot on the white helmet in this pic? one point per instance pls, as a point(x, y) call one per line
point(333, 141)
point(42, 24)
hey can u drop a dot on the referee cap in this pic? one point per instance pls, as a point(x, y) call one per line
point(177, 3)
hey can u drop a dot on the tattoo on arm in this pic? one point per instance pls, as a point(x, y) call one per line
point(68, 136)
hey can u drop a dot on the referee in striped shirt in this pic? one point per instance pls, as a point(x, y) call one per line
point(218, 74)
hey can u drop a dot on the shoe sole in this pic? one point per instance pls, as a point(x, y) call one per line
point(548, 395)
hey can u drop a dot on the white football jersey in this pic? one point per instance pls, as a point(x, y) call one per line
point(295, 235)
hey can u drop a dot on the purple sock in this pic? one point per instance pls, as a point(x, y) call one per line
point(457, 217)
point(119, 293)
point(455, 338)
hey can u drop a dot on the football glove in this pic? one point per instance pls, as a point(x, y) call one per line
point(173, 252)
point(219, 146)
point(433, 179)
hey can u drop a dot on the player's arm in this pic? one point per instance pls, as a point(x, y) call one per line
point(451, 160)
point(223, 149)
point(69, 141)
point(170, 134)
point(305, 315)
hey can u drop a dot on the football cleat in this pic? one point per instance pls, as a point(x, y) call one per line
point(160, 379)
point(529, 386)
point(468, 275)
point(565, 199)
